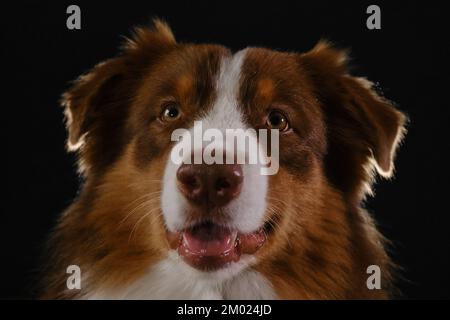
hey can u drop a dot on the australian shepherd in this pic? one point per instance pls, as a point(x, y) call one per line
point(147, 227)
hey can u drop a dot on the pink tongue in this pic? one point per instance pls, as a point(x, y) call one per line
point(208, 240)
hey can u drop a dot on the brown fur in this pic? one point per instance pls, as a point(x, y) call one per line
point(320, 240)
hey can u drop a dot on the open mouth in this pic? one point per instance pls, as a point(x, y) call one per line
point(209, 246)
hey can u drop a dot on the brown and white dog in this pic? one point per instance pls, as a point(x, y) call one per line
point(145, 227)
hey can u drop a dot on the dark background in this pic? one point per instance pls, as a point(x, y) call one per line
point(406, 57)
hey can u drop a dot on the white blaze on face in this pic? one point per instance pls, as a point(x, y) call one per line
point(246, 212)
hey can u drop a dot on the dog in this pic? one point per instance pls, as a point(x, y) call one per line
point(145, 227)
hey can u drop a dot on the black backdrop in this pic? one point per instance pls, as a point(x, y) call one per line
point(406, 57)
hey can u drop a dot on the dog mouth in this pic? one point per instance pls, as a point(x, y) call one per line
point(210, 246)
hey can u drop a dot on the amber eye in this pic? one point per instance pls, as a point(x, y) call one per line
point(277, 120)
point(171, 112)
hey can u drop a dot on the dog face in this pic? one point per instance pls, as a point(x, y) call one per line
point(332, 130)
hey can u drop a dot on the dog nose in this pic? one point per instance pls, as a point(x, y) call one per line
point(212, 185)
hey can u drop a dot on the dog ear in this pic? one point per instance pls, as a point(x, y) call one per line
point(87, 98)
point(96, 104)
point(363, 129)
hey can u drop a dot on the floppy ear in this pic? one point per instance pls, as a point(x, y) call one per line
point(96, 105)
point(87, 98)
point(363, 129)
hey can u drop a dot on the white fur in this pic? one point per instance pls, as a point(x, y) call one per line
point(172, 278)
point(247, 211)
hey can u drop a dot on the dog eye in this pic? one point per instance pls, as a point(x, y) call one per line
point(277, 120)
point(171, 112)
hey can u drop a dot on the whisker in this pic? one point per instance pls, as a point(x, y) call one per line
point(137, 208)
point(140, 219)
point(278, 200)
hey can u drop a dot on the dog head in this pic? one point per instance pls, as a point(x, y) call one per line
point(332, 131)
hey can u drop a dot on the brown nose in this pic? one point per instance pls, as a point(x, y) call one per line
point(212, 185)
